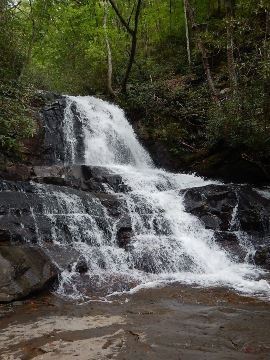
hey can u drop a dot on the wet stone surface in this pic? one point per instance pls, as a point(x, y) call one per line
point(174, 322)
point(231, 211)
point(53, 212)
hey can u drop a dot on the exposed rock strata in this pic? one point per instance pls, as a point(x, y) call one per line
point(27, 214)
point(230, 210)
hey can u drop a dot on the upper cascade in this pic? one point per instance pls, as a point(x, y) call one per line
point(108, 137)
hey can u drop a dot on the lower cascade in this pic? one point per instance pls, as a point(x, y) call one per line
point(111, 222)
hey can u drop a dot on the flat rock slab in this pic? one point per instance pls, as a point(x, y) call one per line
point(175, 323)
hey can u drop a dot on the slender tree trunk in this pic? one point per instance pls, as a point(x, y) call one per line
point(230, 56)
point(109, 52)
point(219, 8)
point(205, 61)
point(31, 44)
point(133, 33)
point(266, 107)
point(170, 16)
point(230, 45)
point(133, 47)
point(207, 69)
point(187, 32)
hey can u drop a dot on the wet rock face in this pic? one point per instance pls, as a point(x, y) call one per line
point(83, 177)
point(20, 275)
point(262, 257)
point(227, 209)
point(124, 236)
point(229, 241)
point(52, 116)
point(214, 205)
point(81, 267)
point(53, 211)
point(29, 211)
point(54, 147)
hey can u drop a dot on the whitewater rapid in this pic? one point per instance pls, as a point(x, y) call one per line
point(168, 244)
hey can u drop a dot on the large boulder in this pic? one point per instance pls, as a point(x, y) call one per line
point(262, 257)
point(213, 204)
point(230, 210)
point(23, 271)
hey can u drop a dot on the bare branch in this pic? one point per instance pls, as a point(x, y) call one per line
point(121, 18)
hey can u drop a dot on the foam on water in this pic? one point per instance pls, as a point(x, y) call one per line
point(109, 138)
point(168, 244)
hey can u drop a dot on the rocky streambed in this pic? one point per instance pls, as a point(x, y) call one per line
point(38, 240)
point(72, 235)
point(177, 322)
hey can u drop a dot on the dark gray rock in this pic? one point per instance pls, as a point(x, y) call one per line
point(23, 271)
point(54, 149)
point(99, 178)
point(124, 237)
point(26, 211)
point(229, 241)
point(230, 208)
point(52, 116)
point(213, 204)
point(81, 267)
point(262, 257)
point(83, 177)
point(57, 216)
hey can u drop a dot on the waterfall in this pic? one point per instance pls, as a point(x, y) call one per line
point(108, 137)
point(166, 243)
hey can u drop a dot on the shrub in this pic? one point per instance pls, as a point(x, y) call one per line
point(16, 123)
point(239, 121)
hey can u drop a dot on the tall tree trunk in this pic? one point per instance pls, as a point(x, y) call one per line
point(219, 8)
point(30, 45)
point(133, 33)
point(187, 32)
point(170, 16)
point(205, 61)
point(266, 107)
point(230, 45)
point(109, 52)
point(133, 47)
point(207, 70)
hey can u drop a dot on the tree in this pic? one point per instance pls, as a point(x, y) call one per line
point(203, 51)
point(109, 52)
point(133, 33)
point(187, 32)
point(31, 40)
point(230, 4)
point(266, 106)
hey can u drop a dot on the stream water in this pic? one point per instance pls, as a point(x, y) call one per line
point(167, 245)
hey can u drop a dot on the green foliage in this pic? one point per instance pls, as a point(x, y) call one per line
point(239, 122)
point(172, 113)
point(16, 124)
point(59, 45)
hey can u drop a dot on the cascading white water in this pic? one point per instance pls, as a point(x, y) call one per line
point(109, 138)
point(168, 244)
